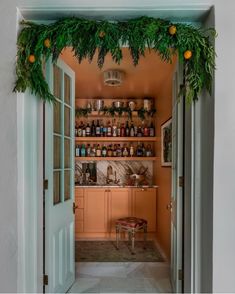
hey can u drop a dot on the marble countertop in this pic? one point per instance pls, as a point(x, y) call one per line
point(116, 186)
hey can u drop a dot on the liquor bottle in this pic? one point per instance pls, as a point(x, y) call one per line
point(139, 131)
point(110, 150)
point(125, 152)
point(97, 129)
point(132, 151)
point(115, 150)
point(80, 129)
point(132, 130)
point(123, 133)
point(139, 151)
point(143, 150)
point(88, 150)
point(77, 150)
point(136, 130)
point(149, 151)
point(109, 130)
point(146, 130)
point(104, 131)
point(88, 130)
point(98, 151)
point(119, 150)
point(83, 150)
point(76, 130)
point(114, 128)
point(104, 151)
point(127, 130)
point(151, 130)
point(83, 130)
point(93, 151)
point(93, 129)
point(118, 129)
point(101, 128)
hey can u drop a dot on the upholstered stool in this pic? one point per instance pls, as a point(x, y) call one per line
point(131, 225)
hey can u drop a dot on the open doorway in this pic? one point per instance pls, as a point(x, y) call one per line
point(102, 197)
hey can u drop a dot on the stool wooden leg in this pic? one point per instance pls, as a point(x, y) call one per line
point(132, 241)
point(117, 235)
point(145, 236)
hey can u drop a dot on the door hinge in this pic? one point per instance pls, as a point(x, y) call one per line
point(45, 184)
point(180, 275)
point(74, 207)
point(181, 181)
point(45, 280)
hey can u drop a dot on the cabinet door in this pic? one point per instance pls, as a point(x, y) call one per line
point(95, 210)
point(119, 205)
point(144, 206)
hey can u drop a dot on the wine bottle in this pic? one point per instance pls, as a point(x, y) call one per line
point(127, 130)
point(80, 130)
point(114, 128)
point(104, 151)
point(83, 150)
point(83, 130)
point(109, 130)
point(123, 133)
point(151, 130)
point(98, 151)
point(97, 129)
point(88, 130)
point(132, 130)
point(93, 129)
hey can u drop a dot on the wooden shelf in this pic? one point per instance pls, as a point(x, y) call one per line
point(117, 139)
point(117, 158)
point(100, 114)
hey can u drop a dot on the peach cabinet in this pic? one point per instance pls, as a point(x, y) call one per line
point(144, 205)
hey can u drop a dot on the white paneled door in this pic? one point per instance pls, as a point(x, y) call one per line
point(59, 171)
point(177, 184)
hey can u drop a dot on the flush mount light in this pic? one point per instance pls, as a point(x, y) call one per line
point(113, 77)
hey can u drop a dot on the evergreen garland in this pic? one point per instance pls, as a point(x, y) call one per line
point(37, 42)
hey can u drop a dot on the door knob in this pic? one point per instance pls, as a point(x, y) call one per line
point(169, 206)
point(74, 207)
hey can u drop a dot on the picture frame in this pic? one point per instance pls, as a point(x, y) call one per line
point(166, 143)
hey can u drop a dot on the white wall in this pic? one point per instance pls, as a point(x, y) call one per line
point(224, 159)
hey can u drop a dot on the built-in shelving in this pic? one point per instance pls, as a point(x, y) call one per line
point(117, 158)
point(117, 139)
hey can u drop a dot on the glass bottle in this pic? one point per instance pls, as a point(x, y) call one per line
point(83, 130)
point(97, 129)
point(115, 150)
point(114, 128)
point(80, 129)
point(88, 130)
point(110, 150)
point(123, 133)
point(101, 128)
point(88, 150)
point(93, 129)
point(151, 130)
point(77, 150)
point(98, 150)
point(139, 131)
point(132, 151)
point(109, 130)
point(139, 151)
point(104, 151)
point(104, 131)
point(118, 129)
point(83, 150)
point(76, 130)
point(127, 129)
point(132, 130)
point(119, 150)
point(125, 152)
point(146, 130)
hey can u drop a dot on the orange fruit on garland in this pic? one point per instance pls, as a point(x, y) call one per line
point(188, 54)
point(47, 43)
point(172, 30)
point(102, 34)
point(31, 58)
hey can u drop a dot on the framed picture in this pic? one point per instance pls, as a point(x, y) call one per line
point(166, 143)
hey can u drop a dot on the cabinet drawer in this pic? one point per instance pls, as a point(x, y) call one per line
point(79, 192)
point(79, 202)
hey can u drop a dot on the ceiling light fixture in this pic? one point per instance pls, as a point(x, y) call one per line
point(113, 77)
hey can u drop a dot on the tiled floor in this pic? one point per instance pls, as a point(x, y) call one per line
point(122, 277)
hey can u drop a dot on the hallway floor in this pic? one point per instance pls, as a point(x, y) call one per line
point(122, 277)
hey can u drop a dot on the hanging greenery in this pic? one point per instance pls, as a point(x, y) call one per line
point(37, 42)
point(113, 111)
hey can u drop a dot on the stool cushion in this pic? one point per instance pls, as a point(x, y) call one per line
point(131, 222)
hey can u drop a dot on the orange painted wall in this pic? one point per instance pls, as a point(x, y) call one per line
point(163, 174)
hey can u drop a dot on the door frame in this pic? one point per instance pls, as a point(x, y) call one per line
point(30, 176)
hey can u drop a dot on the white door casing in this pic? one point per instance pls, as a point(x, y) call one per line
point(59, 170)
point(177, 185)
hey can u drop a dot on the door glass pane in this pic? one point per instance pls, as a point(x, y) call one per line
point(57, 152)
point(67, 184)
point(57, 82)
point(67, 121)
point(67, 89)
point(67, 161)
point(56, 187)
point(57, 117)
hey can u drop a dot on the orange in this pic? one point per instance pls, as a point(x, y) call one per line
point(47, 43)
point(172, 30)
point(188, 54)
point(31, 58)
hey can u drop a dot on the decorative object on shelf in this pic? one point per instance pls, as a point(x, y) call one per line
point(98, 104)
point(166, 143)
point(113, 77)
point(84, 36)
point(148, 103)
point(82, 111)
